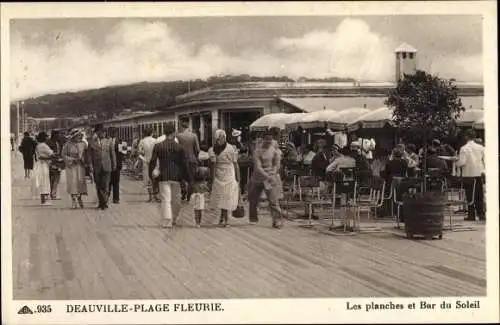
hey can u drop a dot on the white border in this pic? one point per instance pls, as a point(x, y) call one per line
point(260, 310)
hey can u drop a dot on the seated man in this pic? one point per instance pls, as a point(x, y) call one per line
point(309, 155)
point(344, 160)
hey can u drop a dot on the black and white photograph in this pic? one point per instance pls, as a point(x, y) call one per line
point(208, 159)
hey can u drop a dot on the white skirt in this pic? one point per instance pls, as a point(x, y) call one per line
point(224, 195)
point(198, 201)
point(41, 180)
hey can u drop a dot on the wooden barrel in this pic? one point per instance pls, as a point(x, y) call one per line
point(424, 214)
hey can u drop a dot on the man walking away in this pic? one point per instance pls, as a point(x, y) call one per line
point(471, 160)
point(146, 146)
point(169, 165)
point(114, 184)
point(102, 161)
point(57, 163)
point(189, 142)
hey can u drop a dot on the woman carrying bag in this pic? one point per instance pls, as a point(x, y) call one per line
point(225, 177)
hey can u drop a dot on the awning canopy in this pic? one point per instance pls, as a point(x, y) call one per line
point(380, 117)
point(471, 118)
point(277, 120)
point(316, 119)
point(347, 116)
point(331, 119)
point(479, 124)
point(372, 120)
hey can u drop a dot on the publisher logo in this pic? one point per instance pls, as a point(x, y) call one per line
point(25, 310)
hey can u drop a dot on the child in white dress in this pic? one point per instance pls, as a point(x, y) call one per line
point(200, 187)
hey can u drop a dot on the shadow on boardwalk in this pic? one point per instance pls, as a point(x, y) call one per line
point(121, 253)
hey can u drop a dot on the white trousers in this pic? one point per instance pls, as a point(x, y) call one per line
point(170, 195)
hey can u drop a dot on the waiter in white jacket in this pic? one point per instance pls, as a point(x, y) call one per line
point(471, 162)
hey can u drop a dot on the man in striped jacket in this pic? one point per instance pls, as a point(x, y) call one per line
point(170, 166)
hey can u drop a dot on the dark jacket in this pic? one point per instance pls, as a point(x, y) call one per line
point(362, 164)
point(173, 162)
point(319, 164)
point(101, 155)
point(189, 142)
point(119, 156)
point(27, 147)
point(55, 145)
point(396, 168)
point(434, 162)
point(57, 161)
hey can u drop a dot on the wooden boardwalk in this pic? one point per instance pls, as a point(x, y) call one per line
point(121, 253)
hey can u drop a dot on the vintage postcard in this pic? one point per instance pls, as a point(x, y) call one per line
point(268, 162)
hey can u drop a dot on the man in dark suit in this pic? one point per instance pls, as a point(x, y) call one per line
point(189, 142)
point(114, 184)
point(102, 160)
point(171, 171)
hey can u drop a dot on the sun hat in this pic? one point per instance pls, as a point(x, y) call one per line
point(75, 133)
point(236, 133)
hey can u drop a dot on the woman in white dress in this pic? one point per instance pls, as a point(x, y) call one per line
point(44, 156)
point(225, 176)
point(73, 153)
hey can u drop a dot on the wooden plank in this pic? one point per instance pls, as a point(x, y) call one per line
point(121, 253)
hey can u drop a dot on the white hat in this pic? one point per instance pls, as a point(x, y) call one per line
point(236, 133)
point(355, 144)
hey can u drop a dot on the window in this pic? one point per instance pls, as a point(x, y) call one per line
point(411, 55)
point(403, 55)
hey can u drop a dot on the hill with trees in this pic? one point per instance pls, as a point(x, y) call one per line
point(107, 102)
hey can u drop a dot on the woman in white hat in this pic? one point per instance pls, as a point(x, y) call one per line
point(73, 153)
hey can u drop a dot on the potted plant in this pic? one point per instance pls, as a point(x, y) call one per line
point(424, 107)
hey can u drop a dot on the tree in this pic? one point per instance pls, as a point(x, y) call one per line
point(424, 107)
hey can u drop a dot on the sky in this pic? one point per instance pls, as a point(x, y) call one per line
point(57, 55)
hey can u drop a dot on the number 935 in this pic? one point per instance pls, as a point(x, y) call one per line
point(44, 308)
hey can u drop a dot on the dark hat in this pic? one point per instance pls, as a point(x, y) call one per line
point(41, 137)
point(397, 153)
point(169, 128)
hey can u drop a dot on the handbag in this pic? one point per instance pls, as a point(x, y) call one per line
point(240, 210)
